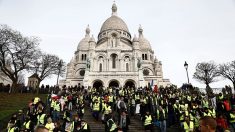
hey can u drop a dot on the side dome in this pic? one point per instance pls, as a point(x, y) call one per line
point(84, 43)
point(114, 23)
point(144, 43)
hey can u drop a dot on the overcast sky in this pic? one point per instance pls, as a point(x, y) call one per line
point(178, 30)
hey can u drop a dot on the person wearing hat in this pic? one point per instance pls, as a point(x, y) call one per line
point(50, 125)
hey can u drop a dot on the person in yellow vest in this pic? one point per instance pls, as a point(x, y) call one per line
point(28, 124)
point(110, 125)
point(56, 111)
point(12, 127)
point(188, 125)
point(50, 125)
point(111, 100)
point(206, 112)
point(207, 124)
point(52, 105)
point(96, 109)
point(84, 126)
point(148, 121)
point(232, 119)
point(161, 117)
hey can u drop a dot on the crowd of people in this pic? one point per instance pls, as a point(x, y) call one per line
point(188, 110)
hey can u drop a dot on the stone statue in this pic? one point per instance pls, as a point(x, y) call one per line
point(139, 63)
point(113, 41)
point(88, 64)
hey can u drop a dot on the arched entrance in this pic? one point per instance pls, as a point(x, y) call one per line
point(130, 84)
point(97, 84)
point(114, 83)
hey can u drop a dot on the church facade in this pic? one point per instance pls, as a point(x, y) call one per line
point(115, 59)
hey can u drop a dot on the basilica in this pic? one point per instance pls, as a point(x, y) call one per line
point(115, 59)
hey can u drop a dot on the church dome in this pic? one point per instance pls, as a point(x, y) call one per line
point(84, 43)
point(114, 23)
point(144, 43)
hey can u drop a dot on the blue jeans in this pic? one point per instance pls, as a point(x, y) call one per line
point(163, 125)
point(56, 115)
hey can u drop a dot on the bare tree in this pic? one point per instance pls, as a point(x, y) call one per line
point(47, 65)
point(228, 71)
point(16, 53)
point(206, 72)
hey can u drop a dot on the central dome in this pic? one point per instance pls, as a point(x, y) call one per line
point(114, 23)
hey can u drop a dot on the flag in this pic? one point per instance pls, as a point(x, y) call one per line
point(151, 85)
point(155, 90)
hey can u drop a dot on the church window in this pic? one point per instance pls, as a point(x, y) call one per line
point(146, 72)
point(127, 67)
point(85, 57)
point(100, 69)
point(113, 56)
point(82, 72)
point(82, 57)
point(146, 57)
point(142, 56)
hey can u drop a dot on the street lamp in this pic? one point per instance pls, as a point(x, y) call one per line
point(186, 68)
point(59, 68)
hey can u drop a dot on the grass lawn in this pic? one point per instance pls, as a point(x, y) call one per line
point(11, 103)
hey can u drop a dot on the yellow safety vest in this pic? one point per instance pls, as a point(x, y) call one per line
point(113, 127)
point(205, 103)
point(96, 107)
point(221, 97)
point(207, 114)
point(57, 107)
point(213, 114)
point(41, 118)
point(110, 99)
point(107, 109)
point(52, 103)
point(232, 116)
point(137, 97)
point(190, 127)
point(148, 120)
point(11, 129)
point(27, 124)
point(50, 127)
point(163, 111)
point(85, 127)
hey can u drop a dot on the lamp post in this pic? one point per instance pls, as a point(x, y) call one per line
point(59, 68)
point(186, 68)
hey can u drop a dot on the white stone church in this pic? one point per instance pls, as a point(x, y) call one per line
point(115, 59)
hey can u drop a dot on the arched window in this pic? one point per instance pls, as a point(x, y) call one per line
point(146, 58)
point(85, 57)
point(127, 67)
point(114, 56)
point(100, 69)
point(142, 56)
point(82, 57)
